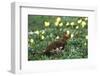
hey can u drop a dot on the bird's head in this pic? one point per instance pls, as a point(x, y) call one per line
point(66, 36)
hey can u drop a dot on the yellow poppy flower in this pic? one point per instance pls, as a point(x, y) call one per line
point(36, 32)
point(30, 32)
point(72, 23)
point(43, 32)
point(67, 23)
point(79, 21)
point(85, 43)
point(68, 32)
point(83, 23)
point(31, 40)
point(61, 24)
point(58, 19)
point(46, 23)
point(77, 27)
point(86, 18)
point(42, 37)
point(72, 35)
point(86, 37)
point(57, 37)
point(56, 23)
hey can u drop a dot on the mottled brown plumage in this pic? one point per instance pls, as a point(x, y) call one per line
point(57, 46)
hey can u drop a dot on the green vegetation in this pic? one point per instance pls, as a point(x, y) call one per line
point(42, 30)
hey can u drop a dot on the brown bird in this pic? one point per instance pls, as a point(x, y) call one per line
point(57, 46)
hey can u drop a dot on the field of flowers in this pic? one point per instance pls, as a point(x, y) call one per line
point(42, 30)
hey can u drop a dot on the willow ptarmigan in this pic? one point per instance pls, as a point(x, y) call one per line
point(56, 46)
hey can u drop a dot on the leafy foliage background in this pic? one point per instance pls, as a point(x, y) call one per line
point(42, 30)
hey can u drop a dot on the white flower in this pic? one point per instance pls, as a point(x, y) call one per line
point(72, 23)
point(42, 37)
point(68, 32)
point(79, 21)
point(46, 23)
point(86, 37)
point(58, 19)
point(72, 35)
point(67, 23)
point(36, 32)
point(61, 24)
point(83, 23)
point(77, 27)
point(31, 40)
